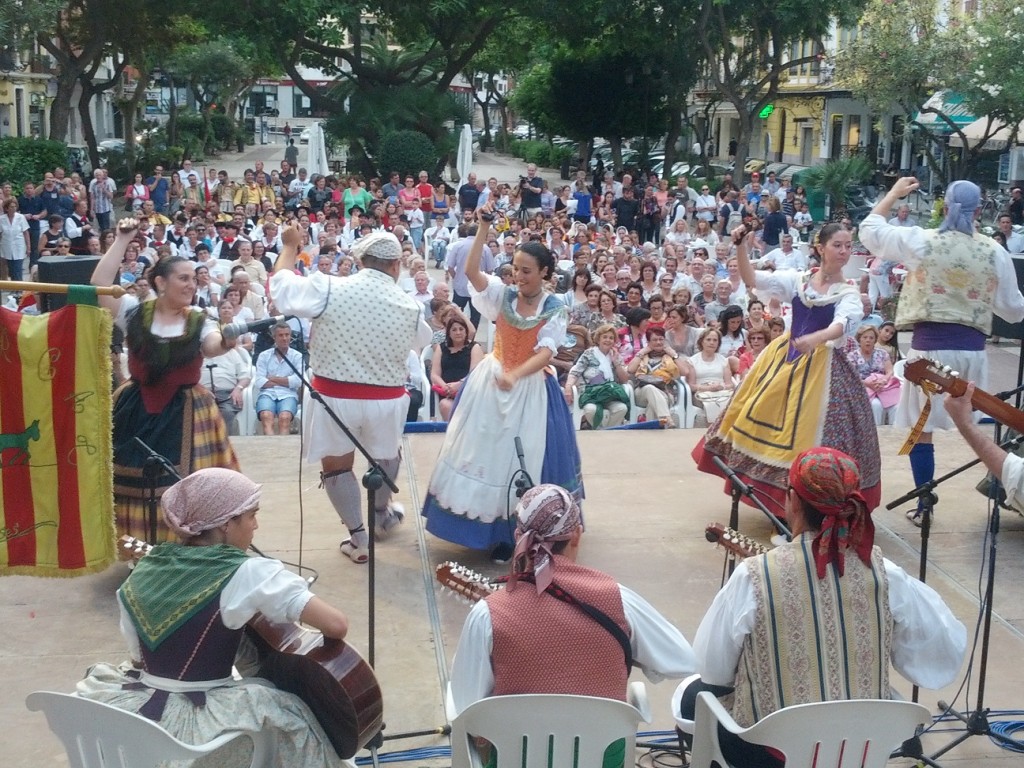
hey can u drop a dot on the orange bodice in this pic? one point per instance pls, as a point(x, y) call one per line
point(513, 346)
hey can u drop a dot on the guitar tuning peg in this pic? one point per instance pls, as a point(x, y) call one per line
point(955, 373)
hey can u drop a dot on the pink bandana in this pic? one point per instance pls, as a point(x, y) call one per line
point(547, 513)
point(207, 499)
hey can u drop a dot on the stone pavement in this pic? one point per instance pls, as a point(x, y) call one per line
point(646, 512)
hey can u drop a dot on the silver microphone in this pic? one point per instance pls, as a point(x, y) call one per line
point(232, 331)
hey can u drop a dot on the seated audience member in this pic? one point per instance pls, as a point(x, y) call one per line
point(633, 337)
point(451, 362)
point(277, 384)
point(845, 606)
point(600, 374)
point(710, 376)
point(680, 334)
point(229, 374)
point(874, 367)
point(183, 611)
point(723, 299)
point(730, 325)
point(528, 637)
point(784, 257)
point(413, 386)
point(776, 328)
point(655, 371)
point(756, 342)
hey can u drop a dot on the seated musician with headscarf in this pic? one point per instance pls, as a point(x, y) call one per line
point(839, 592)
point(533, 636)
point(183, 610)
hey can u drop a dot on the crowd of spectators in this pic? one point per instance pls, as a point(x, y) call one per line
point(649, 261)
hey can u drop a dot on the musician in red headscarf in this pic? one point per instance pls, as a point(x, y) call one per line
point(183, 610)
point(826, 600)
point(559, 626)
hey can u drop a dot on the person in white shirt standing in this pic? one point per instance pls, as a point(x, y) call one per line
point(363, 327)
point(101, 197)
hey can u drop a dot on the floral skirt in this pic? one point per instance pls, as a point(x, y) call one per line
point(781, 409)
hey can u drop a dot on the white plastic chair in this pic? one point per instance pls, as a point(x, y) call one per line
point(831, 734)
point(684, 408)
point(246, 418)
point(97, 735)
point(485, 335)
point(525, 730)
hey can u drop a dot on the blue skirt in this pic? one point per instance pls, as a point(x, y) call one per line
point(471, 500)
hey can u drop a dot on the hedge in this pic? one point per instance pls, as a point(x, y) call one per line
point(24, 159)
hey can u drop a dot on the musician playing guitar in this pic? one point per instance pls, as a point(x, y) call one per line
point(183, 610)
point(826, 601)
point(1008, 467)
point(558, 626)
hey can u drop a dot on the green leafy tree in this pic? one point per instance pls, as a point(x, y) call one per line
point(747, 45)
point(908, 53)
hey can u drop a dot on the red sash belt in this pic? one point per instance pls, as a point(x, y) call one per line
point(348, 391)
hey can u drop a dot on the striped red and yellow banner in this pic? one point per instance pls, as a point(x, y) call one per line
point(56, 481)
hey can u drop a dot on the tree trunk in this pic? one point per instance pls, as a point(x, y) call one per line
point(675, 128)
point(129, 110)
point(746, 122)
point(616, 145)
point(88, 131)
point(60, 111)
point(485, 142)
point(502, 143)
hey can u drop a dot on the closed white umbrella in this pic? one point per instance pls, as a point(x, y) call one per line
point(464, 157)
point(316, 151)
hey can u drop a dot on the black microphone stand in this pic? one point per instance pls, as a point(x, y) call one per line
point(155, 466)
point(374, 479)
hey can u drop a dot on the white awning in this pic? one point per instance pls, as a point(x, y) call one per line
point(976, 132)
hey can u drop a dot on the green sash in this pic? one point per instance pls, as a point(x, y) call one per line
point(173, 583)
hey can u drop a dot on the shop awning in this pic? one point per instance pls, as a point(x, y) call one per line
point(951, 104)
point(976, 132)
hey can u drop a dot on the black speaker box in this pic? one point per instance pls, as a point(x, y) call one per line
point(68, 270)
point(1002, 328)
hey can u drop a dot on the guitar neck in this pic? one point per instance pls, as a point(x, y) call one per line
point(735, 542)
point(998, 409)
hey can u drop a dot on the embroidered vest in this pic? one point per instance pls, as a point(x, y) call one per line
point(543, 645)
point(515, 337)
point(954, 283)
point(813, 639)
point(365, 332)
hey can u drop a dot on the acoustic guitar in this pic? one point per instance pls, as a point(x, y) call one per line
point(734, 542)
point(464, 581)
point(327, 674)
point(936, 378)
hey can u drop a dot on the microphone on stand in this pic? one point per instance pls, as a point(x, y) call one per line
point(730, 474)
point(232, 331)
point(523, 480)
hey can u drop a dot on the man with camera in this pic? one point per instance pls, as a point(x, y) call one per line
point(530, 187)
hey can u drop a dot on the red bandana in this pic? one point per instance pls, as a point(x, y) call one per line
point(829, 481)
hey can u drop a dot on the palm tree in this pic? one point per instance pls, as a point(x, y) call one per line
point(835, 179)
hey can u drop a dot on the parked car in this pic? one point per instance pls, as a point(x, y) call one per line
point(304, 136)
